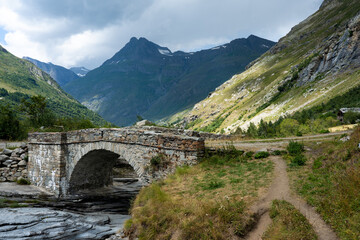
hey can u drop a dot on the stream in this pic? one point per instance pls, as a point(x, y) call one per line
point(95, 214)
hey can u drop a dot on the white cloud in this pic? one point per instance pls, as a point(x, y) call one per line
point(87, 32)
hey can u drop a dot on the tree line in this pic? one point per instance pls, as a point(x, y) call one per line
point(33, 114)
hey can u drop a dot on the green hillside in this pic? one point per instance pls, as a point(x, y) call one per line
point(20, 79)
point(316, 61)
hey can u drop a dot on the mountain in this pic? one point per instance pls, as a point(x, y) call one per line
point(80, 71)
point(316, 61)
point(20, 78)
point(146, 79)
point(60, 74)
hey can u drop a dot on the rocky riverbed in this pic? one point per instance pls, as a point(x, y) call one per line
point(45, 223)
point(95, 214)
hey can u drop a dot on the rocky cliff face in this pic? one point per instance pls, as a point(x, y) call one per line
point(317, 60)
point(60, 74)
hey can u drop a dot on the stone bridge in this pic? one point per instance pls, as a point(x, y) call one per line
point(66, 162)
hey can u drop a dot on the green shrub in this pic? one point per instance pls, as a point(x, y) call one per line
point(261, 155)
point(289, 127)
point(279, 152)
point(249, 155)
point(298, 160)
point(23, 181)
point(158, 161)
point(295, 148)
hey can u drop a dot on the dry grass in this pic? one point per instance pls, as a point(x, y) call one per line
point(207, 201)
point(342, 128)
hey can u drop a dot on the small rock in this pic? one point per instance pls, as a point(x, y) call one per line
point(7, 162)
point(143, 123)
point(23, 145)
point(23, 156)
point(11, 178)
point(14, 154)
point(345, 139)
point(14, 166)
point(22, 163)
point(15, 159)
point(7, 152)
point(3, 158)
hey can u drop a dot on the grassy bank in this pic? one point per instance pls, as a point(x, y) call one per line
point(288, 223)
point(330, 181)
point(206, 201)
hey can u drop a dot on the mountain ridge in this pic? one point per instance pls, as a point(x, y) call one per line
point(60, 74)
point(21, 79)
point(150, 80)
point(316, 61)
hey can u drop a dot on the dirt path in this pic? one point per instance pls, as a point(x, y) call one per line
point(280, 189)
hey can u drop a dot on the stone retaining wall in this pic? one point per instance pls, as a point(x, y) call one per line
point(13, 164)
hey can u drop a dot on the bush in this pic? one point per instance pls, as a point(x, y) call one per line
point(261, 155)
point(298, 160)
point(289, 127)
point(23, 181)
point(279, 152)
point(249, 155)
point(157, 162)
point(295, 148)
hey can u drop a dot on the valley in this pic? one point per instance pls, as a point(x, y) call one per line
point(240, 139)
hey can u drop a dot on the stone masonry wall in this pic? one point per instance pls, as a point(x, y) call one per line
point(13, 164)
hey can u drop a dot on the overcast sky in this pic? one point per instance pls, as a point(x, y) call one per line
point(88, 32)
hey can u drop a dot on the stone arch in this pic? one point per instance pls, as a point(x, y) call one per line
point(91, 167)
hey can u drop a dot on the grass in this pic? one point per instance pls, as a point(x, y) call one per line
point(288, 223)
point(330, 181)
point(206, 201)
point(10, 203)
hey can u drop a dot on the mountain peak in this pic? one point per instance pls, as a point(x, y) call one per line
point(139, 48)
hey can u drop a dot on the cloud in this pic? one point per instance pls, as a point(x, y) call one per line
point(87, 32)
